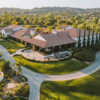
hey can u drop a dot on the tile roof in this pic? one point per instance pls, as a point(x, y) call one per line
point(60, 38)
point(20, 34)
point(74, 33)
point(11, 27)
point(45, 40)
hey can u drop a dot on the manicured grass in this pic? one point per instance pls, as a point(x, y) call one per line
point(87, 88)
point(11, 45)
point(60, 67)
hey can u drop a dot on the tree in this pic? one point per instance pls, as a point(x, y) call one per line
point(14, 22)
point(18, 68)
point(38, 29)
point(58, 28)
point(79, 41)
point(89, 31)
point(49, 29)
point(88, 40)
point(81, 27)
point(97, 33)
point(92, 27)
point(74, 25)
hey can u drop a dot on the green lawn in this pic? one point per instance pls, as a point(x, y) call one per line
point(11, 45)
point(60, 67)
point(87, 88)
point(85, 54)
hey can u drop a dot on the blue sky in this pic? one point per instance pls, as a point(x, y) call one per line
point(44, 3)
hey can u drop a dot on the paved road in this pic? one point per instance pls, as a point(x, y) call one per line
point(35, 79)
point(1, 76)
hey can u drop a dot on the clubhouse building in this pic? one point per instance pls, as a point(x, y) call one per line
point(53, 43)
point(42, 42)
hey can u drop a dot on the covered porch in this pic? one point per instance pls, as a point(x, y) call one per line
point(54, 49)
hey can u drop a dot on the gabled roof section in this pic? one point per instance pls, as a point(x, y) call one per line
point(20, 33)
point(39, 37)
point(52, 40)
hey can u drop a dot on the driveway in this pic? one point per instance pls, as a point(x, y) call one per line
point(35, 79)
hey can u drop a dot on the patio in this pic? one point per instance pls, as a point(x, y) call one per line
point(35, 55)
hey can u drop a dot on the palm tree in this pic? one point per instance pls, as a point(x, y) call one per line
point(79, 35)
point(83, 27)
point(97, 34)
point(89, 31)
point(88, 41)
point(84, 39)
point(92, 27)
point(79, 40)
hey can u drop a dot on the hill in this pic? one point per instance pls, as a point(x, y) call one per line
point(54, 10)
point(44, 10)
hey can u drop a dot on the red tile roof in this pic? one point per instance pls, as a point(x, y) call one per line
point(20, 33)
point(11, 26)
point(74, 33)
point(60, 38)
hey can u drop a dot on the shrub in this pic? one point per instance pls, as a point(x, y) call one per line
point(97, 47)
point(12, 50)
point(85, 54)
point(0, 53)
point(2, 65)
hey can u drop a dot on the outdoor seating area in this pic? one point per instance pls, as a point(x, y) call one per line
point(37, 56)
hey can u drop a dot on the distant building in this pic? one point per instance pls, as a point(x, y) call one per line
point(74, 33)
point(10, 29)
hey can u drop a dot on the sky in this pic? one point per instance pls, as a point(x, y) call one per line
point(29, 4)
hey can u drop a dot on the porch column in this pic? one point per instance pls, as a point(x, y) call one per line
point(33, 47)
point(53, 49)
point(60, 47)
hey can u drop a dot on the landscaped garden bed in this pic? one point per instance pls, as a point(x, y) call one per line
point(13, 84)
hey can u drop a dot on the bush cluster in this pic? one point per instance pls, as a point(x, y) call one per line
point(85, 54)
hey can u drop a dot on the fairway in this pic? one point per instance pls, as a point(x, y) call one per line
point(81, 89)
